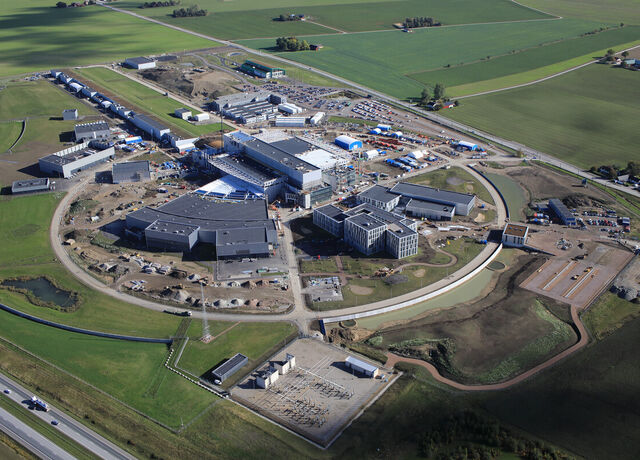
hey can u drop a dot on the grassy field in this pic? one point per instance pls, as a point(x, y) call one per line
point(611, 11)
point(608, 314)
point(9, 132)
point(553, 54)
point(27, 253)
point(575, 117)
point(111, 365)
point(35, 35)
point(138, 96)
point(251, 20)
point(37, 99)
point(381, 60)
point(455, 179)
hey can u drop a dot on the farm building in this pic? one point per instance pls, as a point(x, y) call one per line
point(88, 131)
point(74, 159)
point(462, 202)
point(229, 367)
point(182, 113)
point(515, 235)
point(561, 211)
point(362, 367)
point(348, 143)
point(379, 197)
point(132, 171)
point(30, 185)
point(260, 70)
point(70, 114)
point(140, 63)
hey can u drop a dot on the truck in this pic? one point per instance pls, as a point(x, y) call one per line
point(39, 404)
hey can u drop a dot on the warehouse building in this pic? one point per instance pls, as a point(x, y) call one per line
point(239, 99)
point(515, 235)
point(265, 182)
point(429, 210)
point(150, 126)
point(379, 197)
point(370, 229)
point(70, 114)
point(132, 171)
point(182, 113)
point(291, 122)
point(357, 365)
point(463, 202)
point(236, 228)
point(348, 143)
point(260, 70)
point(140, 63)
point(562, 212)
point(229, 367)
point(30, 186)
point(69, 161)
point(89, 131)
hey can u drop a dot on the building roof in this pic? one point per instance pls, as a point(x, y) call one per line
point(245, 167)
point(515, 230)
point(346, 139)
point(182, 110)
point(560, 209)
point(150, 121)
point(69, 157)
point(87, 128)
point(129, 168)
point(366, 221)
point(355, 362)
point(230, 364)
point(164, 226)
point(378, 193)
point(70, 111)
point(29, 183)
point(293, 146)
point(139, 60)
point(261, 66)
point(422, 192)
point(333, 212)
point(280, 156)
point(429, 206)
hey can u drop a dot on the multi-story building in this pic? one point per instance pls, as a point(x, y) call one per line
point(515, 235)
point(379, 197)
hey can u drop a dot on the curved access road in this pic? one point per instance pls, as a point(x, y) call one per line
point(432, 116)
point(392, 359)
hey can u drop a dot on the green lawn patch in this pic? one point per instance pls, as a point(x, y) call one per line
point(37, 99)
point(611, 11)
point(574, 116)
point(9, 133)
point(138, 96)
point(35, 36)
point(608, 314)
point(318, 266)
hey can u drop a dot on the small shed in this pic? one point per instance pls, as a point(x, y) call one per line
point(361, 367)
point(70, 114)
point(182, 113)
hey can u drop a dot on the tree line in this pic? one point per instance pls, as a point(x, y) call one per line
point(292, 44)
point(192, 11)
point(434, 101)
point(411, 23)
point(613, 171)
point(159, 4)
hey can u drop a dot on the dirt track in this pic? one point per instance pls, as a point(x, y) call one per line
point(392, 359)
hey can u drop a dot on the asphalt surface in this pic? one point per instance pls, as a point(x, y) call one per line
point(67, 425)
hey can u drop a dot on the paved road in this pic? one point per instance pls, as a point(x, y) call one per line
point(67, 425)
point(392, 359)
point(434, 117)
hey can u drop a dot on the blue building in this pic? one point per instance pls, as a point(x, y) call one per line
point(348, 143)
point(563, 213)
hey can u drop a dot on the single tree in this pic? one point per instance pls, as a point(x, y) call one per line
point(424, 97)
point(438, 91)
point(61, 5)
point(625, 54)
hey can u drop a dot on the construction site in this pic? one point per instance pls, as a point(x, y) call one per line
point(313, 388)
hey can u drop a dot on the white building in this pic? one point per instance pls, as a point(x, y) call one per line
point(201, 116)
point(182, 113)
point(291, 122)
point(515, 235)
point(140, 63)
point(317, 118)
point(69, 161)
point(362, 367)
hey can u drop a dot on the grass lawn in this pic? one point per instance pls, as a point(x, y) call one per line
point(381, 60)
point(574, 116)
point(138, 96)
point(9, 133)
point(611, 11)
point(454, 179)
point(26, 252)
point(553, 56)
point(132, 372)
point(249, 20)
point(609, 313)
point(257, 341)
point(318, 266)
point(38, 99)
point(35, 35)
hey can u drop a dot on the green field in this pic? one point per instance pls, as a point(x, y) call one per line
point(257, 341)
point(136, 95)
point(248, 20)
point(9, 133)
point(614, 11)
point(35, 36)
point(130, 371)
point(608, 314)
point(381, 60)
point(527, 60)
point(26, 252)
point(585, 117)
point(37, 99)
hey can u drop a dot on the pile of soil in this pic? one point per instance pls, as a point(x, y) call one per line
point(169, 78)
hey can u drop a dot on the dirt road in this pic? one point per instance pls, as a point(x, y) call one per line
point(392, 359)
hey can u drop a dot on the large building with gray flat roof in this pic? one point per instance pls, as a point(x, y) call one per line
point(67, 162)
point(131, 171)
point(236, 228)
point(380, 197)
point(463, 202)
point(429, 210)
point(370, 229)
point(30, 185)
point(89, 131)
point(150, 126)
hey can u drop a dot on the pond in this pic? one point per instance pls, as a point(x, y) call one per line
point(44, 290)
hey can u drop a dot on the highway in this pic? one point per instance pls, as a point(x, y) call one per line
point(87, 438)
